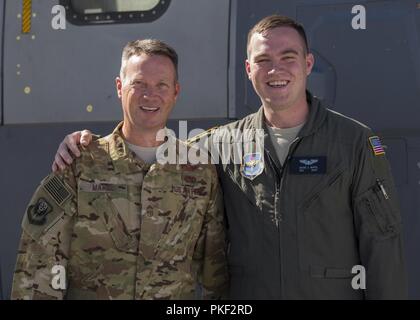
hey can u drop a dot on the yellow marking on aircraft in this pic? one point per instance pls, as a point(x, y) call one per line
point(26, 16)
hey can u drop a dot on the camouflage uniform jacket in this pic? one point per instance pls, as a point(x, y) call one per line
point(123, 229)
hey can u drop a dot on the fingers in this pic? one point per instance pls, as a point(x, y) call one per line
point(63, 152)
point(58, 162)
point(70, 142)
point(86, 138)
point(69, 146)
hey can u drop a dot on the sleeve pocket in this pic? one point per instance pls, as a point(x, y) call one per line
point(377, 213)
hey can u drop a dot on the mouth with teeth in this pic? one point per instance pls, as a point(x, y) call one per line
point(149, 109)
point(278, 83)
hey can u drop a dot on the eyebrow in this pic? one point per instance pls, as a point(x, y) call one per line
point(290, 51)
point(141, 80)
point(136, 80)
point(263, 55)
point(286, 51)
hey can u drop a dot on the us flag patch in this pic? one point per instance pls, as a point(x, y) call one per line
point(376, 144)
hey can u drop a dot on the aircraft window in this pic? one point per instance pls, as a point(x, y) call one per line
point(84, 12)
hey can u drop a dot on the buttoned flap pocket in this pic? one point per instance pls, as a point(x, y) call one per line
point(328, 182)
point(378, 214)
point(174, 201)
point(115, 209)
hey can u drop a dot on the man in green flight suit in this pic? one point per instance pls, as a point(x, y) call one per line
point(317, 206)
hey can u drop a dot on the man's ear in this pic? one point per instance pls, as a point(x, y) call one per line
point(248, 68)
point(118, 85)
point(177, 89)
point(310, 61)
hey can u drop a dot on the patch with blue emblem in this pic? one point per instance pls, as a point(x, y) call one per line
point(252, 166)
point(308, 165)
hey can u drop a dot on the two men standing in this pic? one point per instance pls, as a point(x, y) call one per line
point(316, 201)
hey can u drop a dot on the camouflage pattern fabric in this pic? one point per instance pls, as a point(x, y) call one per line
point(123, 229)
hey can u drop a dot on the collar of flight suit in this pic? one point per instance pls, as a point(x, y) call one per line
point(316, 116)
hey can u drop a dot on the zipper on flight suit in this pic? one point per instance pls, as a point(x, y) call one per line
point(278, 183)
point(277, 215)
point(382, 189)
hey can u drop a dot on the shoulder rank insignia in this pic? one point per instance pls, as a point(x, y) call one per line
point(252, 165)
point(37, 213)
point(376, 145)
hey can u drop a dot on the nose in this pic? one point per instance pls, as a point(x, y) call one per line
point(276, 67)
point(147, 93)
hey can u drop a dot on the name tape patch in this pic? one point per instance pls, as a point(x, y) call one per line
point(308, 165)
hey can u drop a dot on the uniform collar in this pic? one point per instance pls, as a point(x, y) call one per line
point(125, 161)
point(316, 117)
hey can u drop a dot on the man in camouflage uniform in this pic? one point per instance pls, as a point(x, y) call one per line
point(120, 227)
point(316, 198)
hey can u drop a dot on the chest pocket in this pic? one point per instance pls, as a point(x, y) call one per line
point(117, 207)
point(171, 221)
point(328, 183)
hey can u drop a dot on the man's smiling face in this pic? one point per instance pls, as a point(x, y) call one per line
point(148, 91)
point(278, 66)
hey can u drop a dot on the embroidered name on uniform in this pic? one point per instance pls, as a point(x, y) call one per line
point(101, 187)
point(308, 165)
point(188, 191)
point(376, 145)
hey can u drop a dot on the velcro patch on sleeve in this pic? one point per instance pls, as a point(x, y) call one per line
point(57, 189)
point(376, 145)
point(37, 213)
